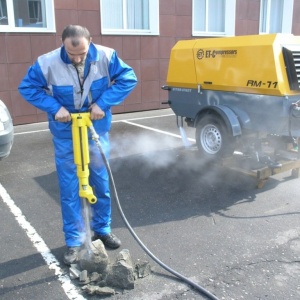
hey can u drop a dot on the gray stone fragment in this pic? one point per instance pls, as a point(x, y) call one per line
point(95, 277)
point(125, 256)
point(120, 274)
point(83, 277)
point(74, 272)
point(142, 269)
point(94, 259)
point(105, 291)
point(96, 290)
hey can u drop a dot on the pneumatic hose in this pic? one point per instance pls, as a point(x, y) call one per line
point(196, 286)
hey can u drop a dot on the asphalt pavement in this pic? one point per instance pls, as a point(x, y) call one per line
point(207, 222)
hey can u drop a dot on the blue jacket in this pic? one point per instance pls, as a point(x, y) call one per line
point(53, 82)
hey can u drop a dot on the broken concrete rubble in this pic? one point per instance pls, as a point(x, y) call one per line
point(96, 290)
point(120, 273)
point(74, 272)
point(95, 277)
point(94, 259)
point(100, 277)
point(142, 269)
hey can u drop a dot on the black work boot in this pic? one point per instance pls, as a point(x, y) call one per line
point(109, 240)
point(71, 255)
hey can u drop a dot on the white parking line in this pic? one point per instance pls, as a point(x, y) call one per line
point(156, 130)
point(71, 290)
point(115, 121)
point(143, 118)
point(33, 131)
point(129, 121)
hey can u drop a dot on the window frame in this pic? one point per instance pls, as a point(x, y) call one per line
point(153, 23)
point(230, 12)
point(50, 17)
point(287, 17)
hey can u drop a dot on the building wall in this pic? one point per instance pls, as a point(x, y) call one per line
point(148, 55)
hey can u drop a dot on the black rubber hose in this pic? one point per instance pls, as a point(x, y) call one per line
point(183, 278)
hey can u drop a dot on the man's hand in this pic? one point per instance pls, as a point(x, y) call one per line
point(96, 112)
point(63, 115)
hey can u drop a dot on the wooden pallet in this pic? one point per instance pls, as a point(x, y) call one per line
point(242, 164)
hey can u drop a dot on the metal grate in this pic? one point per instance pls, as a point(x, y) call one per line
point(292, 62)
point(296, 56)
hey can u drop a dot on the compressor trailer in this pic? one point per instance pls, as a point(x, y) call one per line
point(241, 94)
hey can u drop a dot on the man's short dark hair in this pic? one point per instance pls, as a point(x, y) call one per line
point(74, 32)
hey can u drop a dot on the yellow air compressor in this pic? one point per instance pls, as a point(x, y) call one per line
point(234, 90)
point(255, 64)
point(242, 95)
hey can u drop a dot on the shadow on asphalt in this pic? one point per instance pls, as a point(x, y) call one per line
point(171, 185)
point(15, 267)
point(8, 290)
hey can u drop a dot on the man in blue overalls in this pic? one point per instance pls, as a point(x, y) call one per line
point(79, 77)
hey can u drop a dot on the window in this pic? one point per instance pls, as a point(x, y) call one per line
point(276, 16)
point(3, 13)
point(135, 17)
point(27, 16)
point(35, 12)
point(213, 17)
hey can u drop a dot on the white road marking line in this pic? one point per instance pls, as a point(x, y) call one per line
point(143, 118)
point(71, 290)
point(115, 121)
point(156, 130)
point(33, 131)
point(128, 122)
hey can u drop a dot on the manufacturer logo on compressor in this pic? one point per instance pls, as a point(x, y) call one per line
point(213, 53)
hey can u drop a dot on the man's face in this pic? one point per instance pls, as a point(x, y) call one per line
point(78, 53)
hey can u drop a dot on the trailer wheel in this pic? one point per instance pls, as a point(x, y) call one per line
point(213, 139)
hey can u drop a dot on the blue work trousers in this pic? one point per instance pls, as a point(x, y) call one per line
point(71, 206)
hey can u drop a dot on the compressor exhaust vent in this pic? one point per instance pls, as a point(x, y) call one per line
point(291, 56)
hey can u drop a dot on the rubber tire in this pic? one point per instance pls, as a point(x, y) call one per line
point(214, 141)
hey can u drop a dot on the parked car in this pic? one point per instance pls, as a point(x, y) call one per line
point(6, 131)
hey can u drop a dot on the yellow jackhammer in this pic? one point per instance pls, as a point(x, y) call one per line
point(80, 124)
